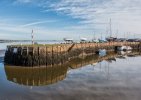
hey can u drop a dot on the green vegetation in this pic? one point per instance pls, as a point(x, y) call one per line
point(36, 45)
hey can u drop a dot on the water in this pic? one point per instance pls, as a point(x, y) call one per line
point(116, 78)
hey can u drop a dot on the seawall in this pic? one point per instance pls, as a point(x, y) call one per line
point(40, 55)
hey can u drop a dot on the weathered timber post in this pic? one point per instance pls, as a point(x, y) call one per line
point(38, 51)
point(52, 61)
point(32, 56)
point(46, 56)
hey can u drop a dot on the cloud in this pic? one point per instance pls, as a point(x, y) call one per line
point(10, 31)
point(125, 14)
point(37, 23)
point(92, 15)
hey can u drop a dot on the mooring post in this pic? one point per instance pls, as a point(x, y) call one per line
point(32, 56)
point(46, 56)
point(27, 51)
point(38, 50)
point(52, 63)
point(60, 55)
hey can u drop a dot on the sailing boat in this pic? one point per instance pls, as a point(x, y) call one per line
point(95, 40)
point(110, 38)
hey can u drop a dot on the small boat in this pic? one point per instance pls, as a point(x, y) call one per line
point(131, 55)
point(94, 64)
point(83, 40)
point(121, 57)
point(124, 48)
point(95, 40)
point(111, 59)
point(102, 52)
point(124, 52)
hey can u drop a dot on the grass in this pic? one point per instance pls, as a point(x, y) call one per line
point(36, 45)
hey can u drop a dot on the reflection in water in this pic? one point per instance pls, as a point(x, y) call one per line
point(92, 77)
point(2, 52)
point(36, 76)
point(91, 59)
point(40, 76)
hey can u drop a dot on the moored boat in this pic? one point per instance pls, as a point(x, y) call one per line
point(124, 48)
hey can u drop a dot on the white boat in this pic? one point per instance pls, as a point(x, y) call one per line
point(83, 40)
point(124, 48)
point(68, 40)
point(95, 40)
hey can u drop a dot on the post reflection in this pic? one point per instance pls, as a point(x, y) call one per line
point(40, 76)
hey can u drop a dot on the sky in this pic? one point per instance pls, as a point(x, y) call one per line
point(58, 19)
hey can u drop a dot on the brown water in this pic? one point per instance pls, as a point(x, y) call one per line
point(118, 78)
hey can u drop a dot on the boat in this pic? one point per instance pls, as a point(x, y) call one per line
point(124, 48)
point(124, 52)
point(83, 40)
point(102, 52)
point(94, 64)
point(111, 59)
point(68, 40)
point(95, 40)
point(121, 57)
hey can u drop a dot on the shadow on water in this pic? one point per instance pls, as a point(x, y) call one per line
point(40, 76)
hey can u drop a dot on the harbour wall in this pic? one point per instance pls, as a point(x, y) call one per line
point(41, 55)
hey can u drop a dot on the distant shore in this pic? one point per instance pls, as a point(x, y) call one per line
point(8, 41)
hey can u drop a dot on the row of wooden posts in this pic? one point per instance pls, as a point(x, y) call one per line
point(56, 54)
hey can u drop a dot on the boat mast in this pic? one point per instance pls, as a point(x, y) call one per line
point(94, 36)
point(110, 27)
point(32, 37)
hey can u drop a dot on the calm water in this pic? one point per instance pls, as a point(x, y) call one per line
point(89, 78)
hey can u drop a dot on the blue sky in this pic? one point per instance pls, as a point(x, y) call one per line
point(56, 19)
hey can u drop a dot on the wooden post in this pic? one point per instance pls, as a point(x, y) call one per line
point(46, 55)
point(60, 55)
point(52, 63)
point(38, 56)
point(32, 56)
point(57, 54)
point(27, 51)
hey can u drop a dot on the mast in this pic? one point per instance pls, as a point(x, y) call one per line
point(32, 37)
point(94, 37)
point(110, 23)
point(117, 33)
point(101, 36)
